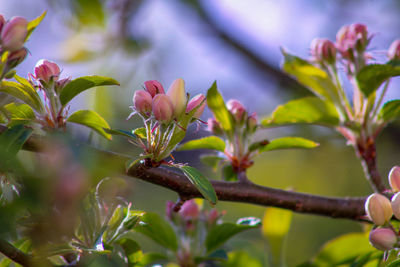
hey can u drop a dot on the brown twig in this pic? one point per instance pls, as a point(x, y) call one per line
point(14, 253)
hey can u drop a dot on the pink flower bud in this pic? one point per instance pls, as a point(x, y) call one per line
point(396, 205)
point(383, 238)
point(252, 122)
point(194, 103)
point(14, 33)
point(189, 210)
point(142, 102)
point(162, 108)
point(394, 50)
point(60, 84)
point(16, 57)
point(154, 87)
point(2, 22)
point(170, 210)
point(378, 209)
point(237, 109)
point(394, 178)
point(46, 71)
point(349, 37)
point(177, 94)
point(323, 50)
point(213, 126)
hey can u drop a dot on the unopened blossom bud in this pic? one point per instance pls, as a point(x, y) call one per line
point(16, 57)
point(351, 37)
point(162, 108)
point(213, 126)
point(359, 33)
point(14, 33)
point(213, 216)
point(394, 178)
point(383, 238)
point(47, 71)
point(396, 205)
point(142, 102)
point(154, 87)
point(323, 50)
point(177, 94)
point(197, 101)
point(252, 122)
point(189, 210)
point(60, 84)
point(394, 50)
point(2, 22)
point(378, 209)
point(237, 109)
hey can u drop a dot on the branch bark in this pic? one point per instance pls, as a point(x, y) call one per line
point(347, 207)
point(14, 253)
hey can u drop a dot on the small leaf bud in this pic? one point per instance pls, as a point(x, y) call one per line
point(383, 238)
point(378, 209)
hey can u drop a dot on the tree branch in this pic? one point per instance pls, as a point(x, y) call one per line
point(14, 253)
point(349, 208)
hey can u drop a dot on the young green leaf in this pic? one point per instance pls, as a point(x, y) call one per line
point(132, 250)
point(19, 113)
point(229, 174)
point(92, 120)
point(121, 132)
point(314, 78)
point(372, 76)
point(310, 110)
point(287, 143)
point(158, 230)
point(201, 183)
point(211, 160)
point(33, 24)
point(75, 87)
point(390, 111)
point(12, 140)
point(140, 132)
point(26, 94)
point(219, 234)
point(217, 105)
point(209, 142)
point(241, 258)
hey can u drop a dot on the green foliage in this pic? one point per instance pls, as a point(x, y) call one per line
point(288, 143)
point(158, 230)
point(201, 182)
point(78, 85)
point(371, 77)
point(220, 233)
point(212, 161)
point(23, 92)
point(19, 114)
point(33, 24)
point(12, 140)
point(390, 111)
point(240, 259)
point(132, 250)
point(92, 120)
point(209, 142)
point(217, 105)
point(310, 110)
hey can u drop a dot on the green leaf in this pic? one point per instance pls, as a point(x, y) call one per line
point(121, 132)
point(201, 183)
point(212, 160)
point(33, 24)
point(371, 77)
point(75, 87)
point(158, 230)
point(288, 143)
point(132, 250)
point(19, 114)
point(229, 174)
point(220, 233)
point(217, 105)
point(92, 120)
point(240, 259)
point(312, 77)
point(151, 258)
point(311, 110)
point(276, 222)
point(12, 140)
point(140, 132)
point(344, 249)
point(23, 92)
point(390, 111)
point(209, 142)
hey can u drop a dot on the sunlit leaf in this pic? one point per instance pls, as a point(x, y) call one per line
point(217, 105)
point(201, 183)
point(371, 77)
point(288, 143)
point(209, 142)
point(310, 110)
point(92, 120)
point(75, 87)
point(390, 111)
point(276, 222)
point(158, 230)
point(140, 132)
point(19, 113)
point(312, 77)
point(240, 259)
point(33, 24)
point(26, 94)
point(220, 233)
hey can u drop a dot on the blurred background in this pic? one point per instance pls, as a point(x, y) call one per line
point(238, 44)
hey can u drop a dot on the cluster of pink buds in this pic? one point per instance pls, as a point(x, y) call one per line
point(394, 50)
point(13, 34)
point(166, 107)
point(380, 210)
